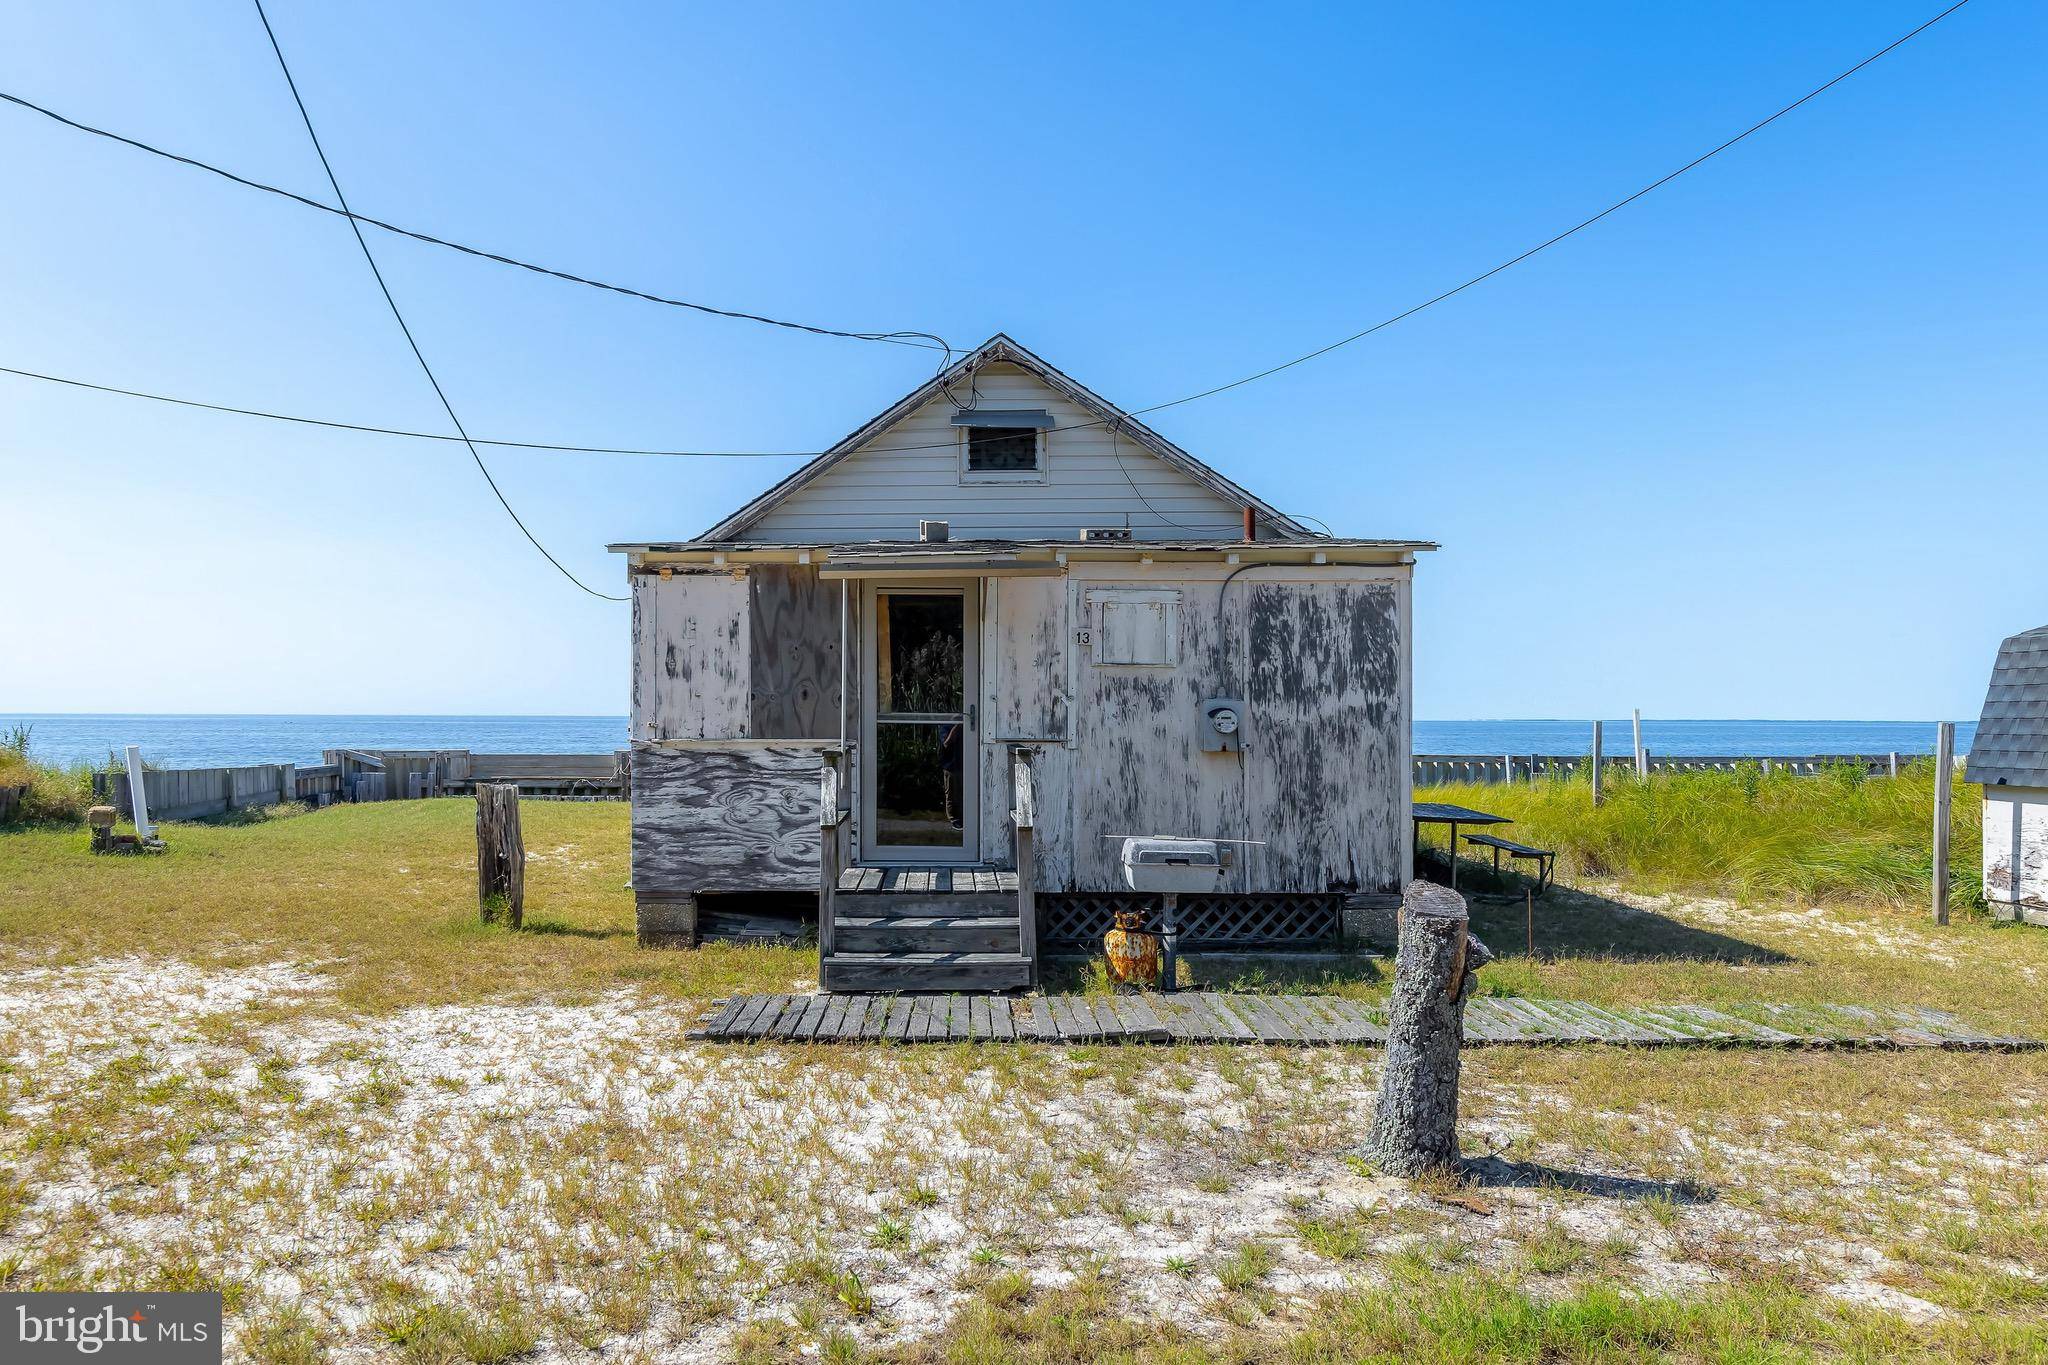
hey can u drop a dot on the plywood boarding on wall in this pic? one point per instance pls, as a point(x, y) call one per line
point(1328, 770)
point(739, 816)
point(793, 653)
point(691, 657)
point(1319, 658)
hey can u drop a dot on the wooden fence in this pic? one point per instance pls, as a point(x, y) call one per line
point(195, 793)
point(366, 775)
point(1436, 769)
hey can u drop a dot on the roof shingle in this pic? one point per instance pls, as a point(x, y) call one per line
point(2011, 747)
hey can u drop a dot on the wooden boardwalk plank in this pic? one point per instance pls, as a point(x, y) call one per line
point(1183, 1021)
point(1231, 1024)
point(897, 1022)
point(1146, 1025)
point(1266, 1023)
point(1527, 1025)
point(1203, 1017)
point(1067, 1017)
point(815, 1010)
point(792, 1014)
point(748, 1023)
point(721, 1018)
point(1604, 1026)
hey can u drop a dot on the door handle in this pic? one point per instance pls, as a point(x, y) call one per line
point(970, 716)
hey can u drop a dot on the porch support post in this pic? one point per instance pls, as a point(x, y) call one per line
point(831, 819)
point(1024, 818)
point(843, 584)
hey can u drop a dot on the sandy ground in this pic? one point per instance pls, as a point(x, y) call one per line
point(583, 1173)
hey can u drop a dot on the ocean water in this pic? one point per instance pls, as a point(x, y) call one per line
point(207, 741)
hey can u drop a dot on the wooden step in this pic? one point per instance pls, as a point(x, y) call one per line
point(925, 934)
point(923, 905)
point(926, 880)
point(909, 971)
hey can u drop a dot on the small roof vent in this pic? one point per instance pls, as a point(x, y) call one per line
point(1037, 418)
point(1105, 533)
point(931, 532)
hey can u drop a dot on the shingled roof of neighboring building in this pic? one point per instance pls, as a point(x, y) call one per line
point(2011, 747)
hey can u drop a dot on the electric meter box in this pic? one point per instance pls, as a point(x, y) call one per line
point(1222, 725)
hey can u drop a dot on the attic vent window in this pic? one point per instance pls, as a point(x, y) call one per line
point(1002, 447)
point(1005, 450)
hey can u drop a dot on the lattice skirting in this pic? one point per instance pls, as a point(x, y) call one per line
point(1076, 920)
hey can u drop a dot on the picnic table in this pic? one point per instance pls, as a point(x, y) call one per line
point(1444, 813)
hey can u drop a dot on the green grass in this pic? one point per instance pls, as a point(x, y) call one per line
point(1423, 1314)
point(1837, 837)
point(381, 898)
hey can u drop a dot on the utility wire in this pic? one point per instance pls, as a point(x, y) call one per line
point(385, 289)
point(924, 340)
point(941, 445)
point(411, 435)
point(1513, 261)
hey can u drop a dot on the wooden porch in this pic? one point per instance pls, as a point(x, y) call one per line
point(948, 928)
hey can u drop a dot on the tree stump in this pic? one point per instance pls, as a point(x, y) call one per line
point(1415, 1127)
point(500, 854)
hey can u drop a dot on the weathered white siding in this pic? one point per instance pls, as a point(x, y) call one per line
point(1319, 656)
point(691, 673)
point(881, 491)
point(2016, 852)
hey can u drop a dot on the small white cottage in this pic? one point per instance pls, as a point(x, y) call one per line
point(927, 682)
point(2010, 757)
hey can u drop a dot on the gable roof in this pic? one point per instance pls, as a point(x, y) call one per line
point(2011, 746)
point(1000, 349)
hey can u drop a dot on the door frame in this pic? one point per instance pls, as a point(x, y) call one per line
point(869, 851)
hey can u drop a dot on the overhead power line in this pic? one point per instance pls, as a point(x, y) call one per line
point(924, 340)
point(1578, 227)
point(399, 317)
point(1072, 426)
point(399, 431)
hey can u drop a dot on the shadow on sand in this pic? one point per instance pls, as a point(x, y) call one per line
point(1491, 1172)
point(1574, 922)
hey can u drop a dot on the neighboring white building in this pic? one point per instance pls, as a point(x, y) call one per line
point(2010, 757)
point(1005, 591)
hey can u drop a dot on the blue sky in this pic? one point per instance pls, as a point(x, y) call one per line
point(1768, 443)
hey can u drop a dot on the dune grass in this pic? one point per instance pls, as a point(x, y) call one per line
point(56, 793)
point(1838, 837)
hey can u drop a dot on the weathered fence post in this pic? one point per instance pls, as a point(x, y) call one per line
point(1598, 726)
point(1415, 1125)
point(500, 854)
point(1642, 754)
point(1944, 787)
